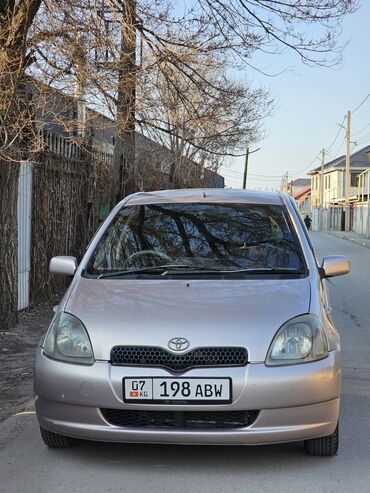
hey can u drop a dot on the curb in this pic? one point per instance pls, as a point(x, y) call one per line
point(357, 241)
point(28, 407)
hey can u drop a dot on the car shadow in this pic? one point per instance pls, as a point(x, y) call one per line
point(179, 458)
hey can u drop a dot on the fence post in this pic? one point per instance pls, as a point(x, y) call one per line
point(24, 213)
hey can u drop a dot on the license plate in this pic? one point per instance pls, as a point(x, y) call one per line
point(177, 390)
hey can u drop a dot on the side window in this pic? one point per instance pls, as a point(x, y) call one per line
point(305, 232)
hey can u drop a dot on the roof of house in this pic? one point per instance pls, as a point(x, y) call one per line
point(359, 159)
point(102, 125)
point(301, 192)
point(300, 182)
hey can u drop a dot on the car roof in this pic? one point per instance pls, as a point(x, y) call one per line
point(203, 195)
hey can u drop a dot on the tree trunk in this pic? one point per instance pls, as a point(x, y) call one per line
point(16, 19)
point(123, 172)
point(9, 172)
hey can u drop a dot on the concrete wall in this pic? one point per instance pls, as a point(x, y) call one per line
point(320, 219)
point(361, 219)
point(332, 219)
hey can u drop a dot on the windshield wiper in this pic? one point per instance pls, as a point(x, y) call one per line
point(189, 269)
point(265, 270)
point(157, 269)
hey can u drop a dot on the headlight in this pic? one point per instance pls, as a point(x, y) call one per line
point(67, 340)
point(299, 340)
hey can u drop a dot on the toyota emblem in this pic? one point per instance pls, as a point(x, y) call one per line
point(178, 344)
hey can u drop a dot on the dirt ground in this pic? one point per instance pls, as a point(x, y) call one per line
point(17, 356)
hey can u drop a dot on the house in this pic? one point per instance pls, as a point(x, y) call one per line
point(64, 115)
point(211, 179)
point(295, 186)
point(303, 199)
point(334, 178)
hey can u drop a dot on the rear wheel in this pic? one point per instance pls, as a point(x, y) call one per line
point(323, 446)
point(54, 440)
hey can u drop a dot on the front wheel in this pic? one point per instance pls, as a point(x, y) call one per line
point(323, 446)
point(54, 440)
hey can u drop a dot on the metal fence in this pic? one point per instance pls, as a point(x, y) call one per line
point(24, 208)
point(59, 197)
point(333, 218)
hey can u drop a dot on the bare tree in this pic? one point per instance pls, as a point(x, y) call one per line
point(127, 41)
point(201, 120)
point(16, 19)
point(112, 47)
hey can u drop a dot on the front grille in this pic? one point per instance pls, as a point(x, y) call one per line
point(187, 420)
point(159, 357)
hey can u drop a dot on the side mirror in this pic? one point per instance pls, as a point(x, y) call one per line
point(66, 266)
point(335, 265)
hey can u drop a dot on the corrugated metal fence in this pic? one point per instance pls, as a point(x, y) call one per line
point(59, 198)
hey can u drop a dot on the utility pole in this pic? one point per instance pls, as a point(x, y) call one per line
point(348, 175)
point(245, 169)
point(79, 86)
point(246, 165)
point(321, 210)
point(284, 182)
point(123, 169)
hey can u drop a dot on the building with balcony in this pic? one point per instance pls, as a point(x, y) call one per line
point(334, 176)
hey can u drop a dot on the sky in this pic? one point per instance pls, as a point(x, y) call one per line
point(310, 103)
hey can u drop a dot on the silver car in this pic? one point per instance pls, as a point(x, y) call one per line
point(195, 317)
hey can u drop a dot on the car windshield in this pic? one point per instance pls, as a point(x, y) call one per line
point(227, 237)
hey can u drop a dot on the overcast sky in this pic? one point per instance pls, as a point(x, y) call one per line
point(310, 101)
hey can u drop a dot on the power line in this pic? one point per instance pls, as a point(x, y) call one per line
point(253, 179)
point(274, 177)
point(340, 147)
point(328, 149)
point(335, 138)
point(317, 156)
point(267, 176)
point(363, 139)
point(362, 102)
point(311, 163)
point(240, 173)
point(359, 131)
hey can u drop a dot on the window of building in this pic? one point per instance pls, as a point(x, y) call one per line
point(354, 179)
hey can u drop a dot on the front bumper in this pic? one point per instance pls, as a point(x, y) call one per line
point(294, 403)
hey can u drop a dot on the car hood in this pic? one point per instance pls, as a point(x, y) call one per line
point(206, 312)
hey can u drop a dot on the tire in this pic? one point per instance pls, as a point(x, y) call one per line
point(323, 446)
point(53, 440)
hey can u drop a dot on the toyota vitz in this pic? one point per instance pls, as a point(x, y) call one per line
point(195, 317)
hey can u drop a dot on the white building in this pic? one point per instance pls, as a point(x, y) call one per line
point(334, 178)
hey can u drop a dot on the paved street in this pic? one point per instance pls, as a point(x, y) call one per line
point(26, 465)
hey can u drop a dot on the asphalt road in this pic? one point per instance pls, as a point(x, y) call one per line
point(26, 465)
